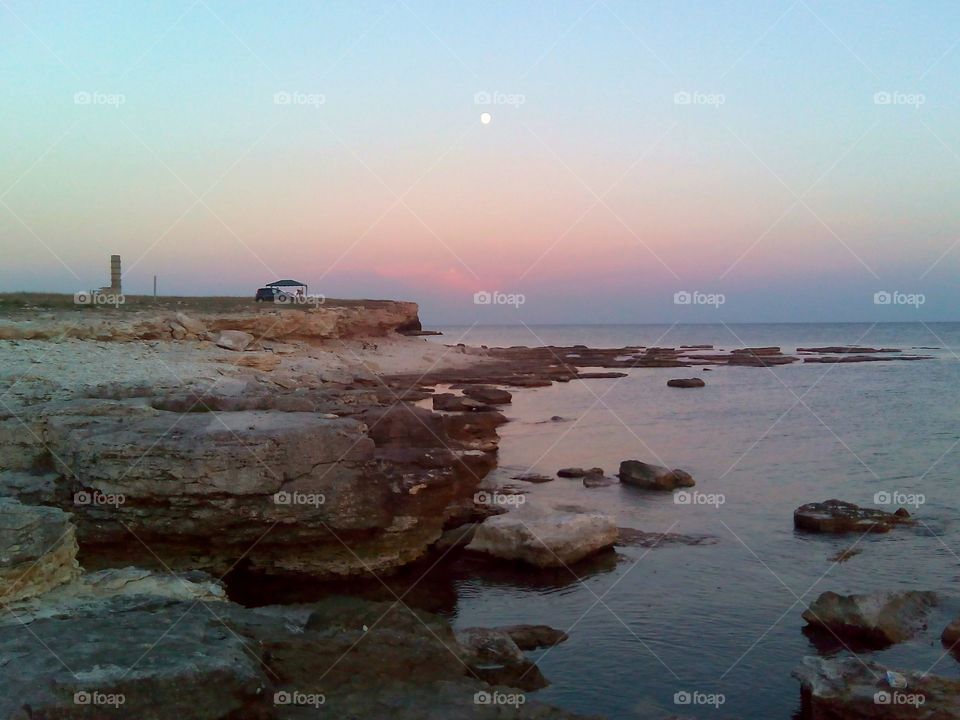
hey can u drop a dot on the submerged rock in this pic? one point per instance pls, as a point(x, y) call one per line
point(837, 516)
point(545, 537)
point(876, 619)
point(853, 688)
point(533, 637)
point(653, 477)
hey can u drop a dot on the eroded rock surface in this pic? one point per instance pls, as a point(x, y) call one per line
point(38, 550)
point(879, 618)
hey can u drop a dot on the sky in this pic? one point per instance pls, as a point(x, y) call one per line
point(570, 161)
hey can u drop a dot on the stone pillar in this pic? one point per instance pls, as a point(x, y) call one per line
point(115, 273)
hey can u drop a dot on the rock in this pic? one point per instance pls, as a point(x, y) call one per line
point(545, 537)
point(533, 637)
point(853, 688)
point(494, 657)
point(653, 477)
point(487, 394)
point(631, 537)
point(836, 516)
point(457, 537)
point(235, 340)
point(532, 478)
point(593, 480)
point(686, 383)
point(143, 655)
point(575, 472)
point(38, 550)
point(487, 645)
point(951, 634)
point(876, 619)
point(159, 646)
point(454, 403)
point(192, 326)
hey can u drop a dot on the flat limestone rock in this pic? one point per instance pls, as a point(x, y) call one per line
point(545, 536)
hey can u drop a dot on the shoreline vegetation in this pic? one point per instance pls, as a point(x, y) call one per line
point(212, 508)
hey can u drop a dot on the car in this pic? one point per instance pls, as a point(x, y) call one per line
point(272, 294)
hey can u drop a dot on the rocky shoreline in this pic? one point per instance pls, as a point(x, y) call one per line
point(157, 465)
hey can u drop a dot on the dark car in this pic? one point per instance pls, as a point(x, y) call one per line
point(272, 294)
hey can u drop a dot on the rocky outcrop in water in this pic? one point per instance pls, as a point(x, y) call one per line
point(653, 477)
point(545, 537)
point(852, 688)
point(874, 619)
point(838, 517)
point(131, 643)
point(686, 383)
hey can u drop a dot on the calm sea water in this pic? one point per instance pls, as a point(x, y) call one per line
point(725, 618)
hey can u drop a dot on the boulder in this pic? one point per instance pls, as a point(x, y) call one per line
point(487, 394)
point(854, 688)
point(951, 634)
point(686, 383)
point(837, 517)
point(235, 340)
point(593, 480)
point(653, 477)
point(494, 657)
point(545, 536)
point(38, 550)
point(874, 619)
point(533, 637)
point(191, 325)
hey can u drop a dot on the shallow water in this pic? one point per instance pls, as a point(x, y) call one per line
point(725, 618)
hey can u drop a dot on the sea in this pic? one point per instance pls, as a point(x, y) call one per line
point(714, 630)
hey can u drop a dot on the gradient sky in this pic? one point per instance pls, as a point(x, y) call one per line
point(597, 198)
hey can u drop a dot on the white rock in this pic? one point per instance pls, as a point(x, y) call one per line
point(236, 340)
point(545, 536)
